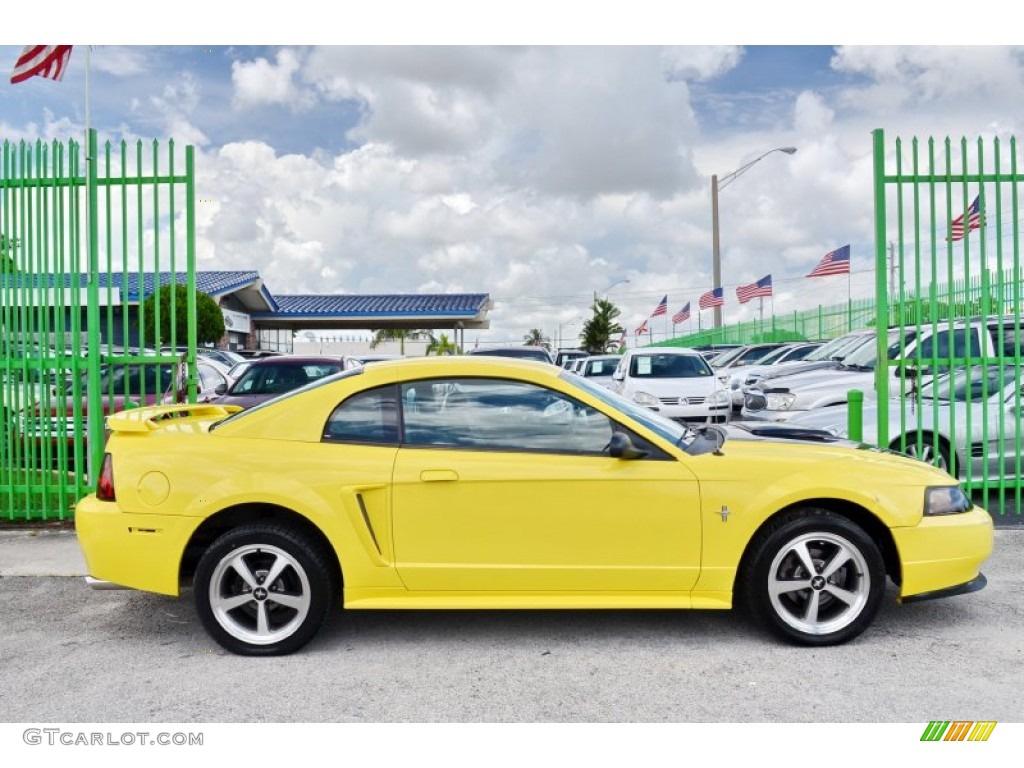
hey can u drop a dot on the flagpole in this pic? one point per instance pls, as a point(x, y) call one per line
point(87, 116)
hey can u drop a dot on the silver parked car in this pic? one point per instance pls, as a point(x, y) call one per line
point(967, 421)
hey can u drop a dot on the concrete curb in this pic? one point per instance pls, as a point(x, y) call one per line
point(41, 553)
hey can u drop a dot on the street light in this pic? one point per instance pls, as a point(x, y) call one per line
point(716, 259)
point(606, 290)
point(566, 324)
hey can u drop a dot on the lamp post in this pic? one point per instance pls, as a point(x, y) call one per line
point(717, 184)
point(606, 290)
point(566, 324)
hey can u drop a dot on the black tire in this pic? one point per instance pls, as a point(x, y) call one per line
point(241, 564)
point(839, 599)
point(933, 451)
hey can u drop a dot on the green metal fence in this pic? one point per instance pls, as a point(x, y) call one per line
point(820, 324)
point(84, 240)
point(951, 391)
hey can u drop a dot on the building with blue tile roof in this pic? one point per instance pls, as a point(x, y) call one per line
point(255, 317)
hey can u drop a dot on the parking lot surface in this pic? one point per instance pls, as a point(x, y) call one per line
point(70, 654)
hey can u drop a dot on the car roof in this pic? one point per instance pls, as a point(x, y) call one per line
point(293, 360)
point(661, 350)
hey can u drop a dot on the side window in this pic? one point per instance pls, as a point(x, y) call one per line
point(503, 415)
point(367, 417)
point(1013, 340)
point(938, 346)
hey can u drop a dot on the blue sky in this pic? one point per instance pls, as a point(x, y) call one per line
point(538, 174)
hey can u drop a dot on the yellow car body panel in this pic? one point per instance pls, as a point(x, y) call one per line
point(444, 528)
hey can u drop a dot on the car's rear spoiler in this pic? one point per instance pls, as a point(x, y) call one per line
point(155, 416)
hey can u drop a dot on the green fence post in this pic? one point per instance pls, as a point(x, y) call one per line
point(855, 415)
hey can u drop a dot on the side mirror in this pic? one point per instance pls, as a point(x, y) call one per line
point(621, 447)
point(220, 389)
point(618, 375)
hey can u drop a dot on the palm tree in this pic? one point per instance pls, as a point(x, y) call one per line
point(601, 332)
point(398, 334)
point(535, 338)
point(7, 246)
point(442, 346)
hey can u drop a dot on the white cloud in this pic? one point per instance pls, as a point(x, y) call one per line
point(261, 82)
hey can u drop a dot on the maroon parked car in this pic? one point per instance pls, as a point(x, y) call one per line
point(268, 377)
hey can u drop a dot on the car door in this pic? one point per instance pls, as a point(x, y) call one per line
point(506, 486)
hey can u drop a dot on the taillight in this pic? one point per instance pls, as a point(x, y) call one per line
point(105, 487)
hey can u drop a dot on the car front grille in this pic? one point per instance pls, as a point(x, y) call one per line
point(682, 400)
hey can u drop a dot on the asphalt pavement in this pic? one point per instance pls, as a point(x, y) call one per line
point(71, 654)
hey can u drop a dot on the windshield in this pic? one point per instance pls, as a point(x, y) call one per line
point(668, 366)
point(864, 358)
point(774, 355)
point(664, 427)
point(832, 348)
point(728, 356)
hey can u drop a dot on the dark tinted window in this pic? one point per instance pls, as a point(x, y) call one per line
point(276, 378)
point(526, 353)
point(368, 417)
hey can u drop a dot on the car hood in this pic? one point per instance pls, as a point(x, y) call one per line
point(697, 385)
point(802, 433)
point(792, 369)
point(787, 457)
point(826, 379)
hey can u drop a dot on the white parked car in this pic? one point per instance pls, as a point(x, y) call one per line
point(599, 368)
point(675, 381)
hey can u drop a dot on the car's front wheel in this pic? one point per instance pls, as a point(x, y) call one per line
point(263, 590)
point(815, 578)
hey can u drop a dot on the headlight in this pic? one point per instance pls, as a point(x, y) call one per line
point(720, 397)
point(946, 500)
point(780, 401)
point(642, 398)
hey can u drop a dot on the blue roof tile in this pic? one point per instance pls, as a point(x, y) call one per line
point(381, 305)
point(219, 283)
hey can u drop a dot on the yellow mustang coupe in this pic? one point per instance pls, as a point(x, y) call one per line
point(482, 482)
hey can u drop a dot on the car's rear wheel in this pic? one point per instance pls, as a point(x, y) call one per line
point(263, 590)
point(814, 578)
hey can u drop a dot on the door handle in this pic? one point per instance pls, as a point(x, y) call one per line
point(439, 475)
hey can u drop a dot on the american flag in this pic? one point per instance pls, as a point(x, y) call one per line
point(642, 328)
point(761, 289)
point(973, 214)
point(712, 298)
point(662, 307)
point(682, 315)
point(835, 262)
point(47, 61)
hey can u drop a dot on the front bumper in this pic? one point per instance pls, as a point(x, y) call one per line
point(942, 554)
